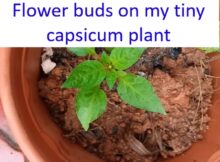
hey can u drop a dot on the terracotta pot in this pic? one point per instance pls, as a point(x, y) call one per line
point(42, 141)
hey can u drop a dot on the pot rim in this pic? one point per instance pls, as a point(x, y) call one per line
point(11, 114)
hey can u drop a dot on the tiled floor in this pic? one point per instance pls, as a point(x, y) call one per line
point(9, 150)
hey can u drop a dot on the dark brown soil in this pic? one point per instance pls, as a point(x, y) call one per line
point(127, 134)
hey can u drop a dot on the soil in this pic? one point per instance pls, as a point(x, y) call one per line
point(126, 134)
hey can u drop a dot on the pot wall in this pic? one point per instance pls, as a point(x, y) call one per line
point(42, 141)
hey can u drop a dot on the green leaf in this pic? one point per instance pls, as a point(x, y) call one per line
point(86, 75)
point(111, 78)
point(82, 51)
point(121, 73)
point(109, 49)
point(90, 104)
point(105, 59)
point(138, 92)
point(210, 50)
point(123, 58)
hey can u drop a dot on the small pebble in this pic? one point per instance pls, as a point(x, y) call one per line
point(47, 65)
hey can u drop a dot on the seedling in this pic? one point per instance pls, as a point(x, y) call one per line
point(88, 76)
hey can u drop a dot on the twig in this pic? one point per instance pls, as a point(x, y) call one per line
point(137, 146)
point(4, 136)
point(210, 76)
point(202, 115)
point(200, 93)
point(25, 159)
point(215, 77)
